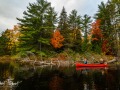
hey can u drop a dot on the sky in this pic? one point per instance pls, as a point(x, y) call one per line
point(12, 9)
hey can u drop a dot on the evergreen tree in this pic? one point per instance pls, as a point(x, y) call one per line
point(74, 20)
point(85, 25)
point(74, 27)
point(63, 21)
point(109, 15)
point(4, 48)
point(36, 26)
point(63, 27)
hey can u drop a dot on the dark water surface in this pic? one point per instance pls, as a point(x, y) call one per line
point(23, 77)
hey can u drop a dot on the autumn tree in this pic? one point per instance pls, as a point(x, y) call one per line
point(105, 47)
point(109, 14)
point(57, 39)
point(96, 36)
point(13, 35)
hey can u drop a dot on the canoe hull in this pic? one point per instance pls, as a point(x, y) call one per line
point(90, 68)
point(90, 65)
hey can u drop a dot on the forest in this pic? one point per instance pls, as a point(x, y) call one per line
point(45, 33)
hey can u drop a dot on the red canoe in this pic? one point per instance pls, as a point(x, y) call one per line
point(90, 65)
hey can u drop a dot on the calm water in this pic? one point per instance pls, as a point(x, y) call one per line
point(23, 77)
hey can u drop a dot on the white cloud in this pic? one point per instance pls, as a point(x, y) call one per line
point(82, 6)
point(7, 21)
point(68, 4)
point(10, 9)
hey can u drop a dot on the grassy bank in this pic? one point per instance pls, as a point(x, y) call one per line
point(65, 55)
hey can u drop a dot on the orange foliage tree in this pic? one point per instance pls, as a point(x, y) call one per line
point(96, 31)
point(97, 36)
point(57, 39)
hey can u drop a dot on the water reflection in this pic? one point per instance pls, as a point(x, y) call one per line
point(7, 81)
point(27, 77)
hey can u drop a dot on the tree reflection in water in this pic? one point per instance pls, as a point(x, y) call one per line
point(62, 78)
point(56, 82)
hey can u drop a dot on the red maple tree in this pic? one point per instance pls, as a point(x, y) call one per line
point(98, 36)
point(96, 31)
point(104, 46)
point(57, 39)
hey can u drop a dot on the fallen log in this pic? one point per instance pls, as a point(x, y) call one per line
point(111, 61)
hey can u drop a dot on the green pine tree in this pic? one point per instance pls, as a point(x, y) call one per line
point(36, 26)
point(74, 26)
point(85, 25)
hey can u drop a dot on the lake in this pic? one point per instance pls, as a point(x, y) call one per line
point(14, 76)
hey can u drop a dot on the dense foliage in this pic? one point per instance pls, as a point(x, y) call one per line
point(4, 47)
point(57, 39)
point(38, 34)
point(96, 37)
point(36, 27)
